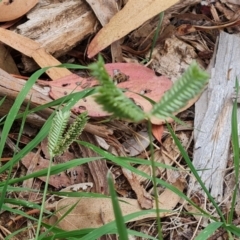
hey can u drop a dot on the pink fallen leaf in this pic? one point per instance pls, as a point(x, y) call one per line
point(141, 80)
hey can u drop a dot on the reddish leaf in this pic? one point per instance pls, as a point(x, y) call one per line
point(157, 131)
point(141, 80)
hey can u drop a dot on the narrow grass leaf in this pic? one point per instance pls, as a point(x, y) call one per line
point(18, 212)
point(2, 100)
point(61, 234)
point(156, 34)
point(79, 194)
point(21, 203)
point(233, 229)
point(235, 147)
point(4, 190)
point(121, 227)
point(60, 101)
point(209, 230)
point(16, 106)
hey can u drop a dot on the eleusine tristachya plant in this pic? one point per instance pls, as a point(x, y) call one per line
point(58, 141)
point(114, 101)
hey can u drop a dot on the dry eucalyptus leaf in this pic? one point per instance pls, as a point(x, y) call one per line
point(33, 49)
point(144, 198)
point(133, 15)
point(140, 80)
point(10, 10)
point(95, 212)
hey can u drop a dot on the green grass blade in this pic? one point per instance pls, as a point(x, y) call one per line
point(233, 229)
point(59, 101)
point(209, 230)
point(2, 100)
point(121, 227)
point(155, 190)
point(18, 212)
point(61, 234)
point(161, 15)
point(22, 203)
point(235, 147)
point(16, 106)
point(4, 190)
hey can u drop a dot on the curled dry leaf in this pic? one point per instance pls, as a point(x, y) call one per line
point(140, 80)
point(10, 10)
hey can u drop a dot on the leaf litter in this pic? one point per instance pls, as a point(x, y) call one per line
point(177, 45)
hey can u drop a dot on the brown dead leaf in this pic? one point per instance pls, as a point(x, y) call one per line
point(133, 15)
point(34, 50)
point(95, 212)
point(6, 62)
point(58, 181)
point(144, 198)
point(10, 10)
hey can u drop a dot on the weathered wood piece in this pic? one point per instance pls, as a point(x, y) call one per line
point(58, 25)
point(213, 118)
